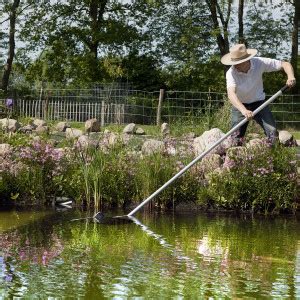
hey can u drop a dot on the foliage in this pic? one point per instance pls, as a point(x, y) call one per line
point(259, 25)
point(29, 170)
point(151, 44)
point(264, 180)
point(106, 176)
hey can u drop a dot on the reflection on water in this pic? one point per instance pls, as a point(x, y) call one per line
point(166, 256)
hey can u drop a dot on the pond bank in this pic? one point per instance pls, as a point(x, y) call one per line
point(122, 170)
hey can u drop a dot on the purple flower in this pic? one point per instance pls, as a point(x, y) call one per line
point(9, 103)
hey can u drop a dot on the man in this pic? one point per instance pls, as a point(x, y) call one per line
point(245, 87)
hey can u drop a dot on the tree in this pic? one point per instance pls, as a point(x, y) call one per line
point(220, 17)
point(241, 22)
point(12, 11)
point(295, 40)
point(88, 30)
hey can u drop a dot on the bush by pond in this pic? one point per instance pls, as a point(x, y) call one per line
point(260, 178)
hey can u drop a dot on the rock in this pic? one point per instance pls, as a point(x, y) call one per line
point(26, 129)
point(5, 149)
point(207, 139)
point(125, 138)
point(110, 139)
point(234, 156)
point(238, 152)
point(189, 136)
point(39, 122)
point(210, 163)
point(286, 138)
point(83, 141)
point(92, 125)
point(152, 146)
point(36, 139)
point(253, 136)
point(165, 129)
point(9, 125)
point(140, 131)
point(62, 126)
point(255, 144)
point(130, 129)
point(72, 133)
point(42, 129)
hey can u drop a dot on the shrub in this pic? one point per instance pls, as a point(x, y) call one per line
point(266, 181)
point(28, 172)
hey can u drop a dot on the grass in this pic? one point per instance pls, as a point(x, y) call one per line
point(296, 135)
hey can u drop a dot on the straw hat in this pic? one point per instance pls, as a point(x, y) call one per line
point(237, 55)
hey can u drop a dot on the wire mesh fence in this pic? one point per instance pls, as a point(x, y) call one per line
point(120, 105)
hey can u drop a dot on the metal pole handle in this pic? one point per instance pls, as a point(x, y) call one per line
point(232, 130)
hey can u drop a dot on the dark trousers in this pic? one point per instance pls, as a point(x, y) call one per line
point(264, 118)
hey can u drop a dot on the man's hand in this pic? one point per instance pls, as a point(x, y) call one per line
point(247, 114)
point(289, 71)
point(291, 82)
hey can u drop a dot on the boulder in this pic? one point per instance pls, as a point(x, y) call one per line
point(9, 125)
point(129, 129)
point(72, 133)
point(255, 144)
point(207, 139)
point(140, 131)
point(165, 129)
point(286, 138)
point(238, 152)
point(109, 139)
point(39, 122)
point(234, 157)
point(5, 149)
point(26, 129)
point(62, 126)
point(152, 146)
point(92, 125)
point(210, 163)
point(83, 141)
point(41, 129)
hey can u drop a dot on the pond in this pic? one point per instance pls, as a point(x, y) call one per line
point(45, 254)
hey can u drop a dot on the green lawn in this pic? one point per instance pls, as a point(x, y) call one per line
point(296, 135)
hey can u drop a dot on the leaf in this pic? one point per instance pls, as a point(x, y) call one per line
point(14, 196)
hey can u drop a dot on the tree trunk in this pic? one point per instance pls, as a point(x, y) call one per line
point(96, 12)
point(11, 45)
point(241, 22)
point(295, 42)
point(222, 40)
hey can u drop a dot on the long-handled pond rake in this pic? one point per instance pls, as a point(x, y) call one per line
point(126, 218)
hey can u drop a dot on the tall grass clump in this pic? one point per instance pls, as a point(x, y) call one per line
point(152, 171)
point(107, 175)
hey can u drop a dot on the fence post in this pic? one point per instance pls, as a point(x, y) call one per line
point(102, 113)
point(46, 104)
point(160, 100)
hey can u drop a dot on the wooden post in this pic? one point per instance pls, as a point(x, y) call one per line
point(46, 103)
point(102, 113)
point(160, 100)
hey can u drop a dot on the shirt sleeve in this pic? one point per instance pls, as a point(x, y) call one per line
point(270, 65)
point(230, 81)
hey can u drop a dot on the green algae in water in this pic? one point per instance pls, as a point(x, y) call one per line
point(14, 219)
point(167, 256)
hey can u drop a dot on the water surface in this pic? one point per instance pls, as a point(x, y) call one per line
point(43, 254)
